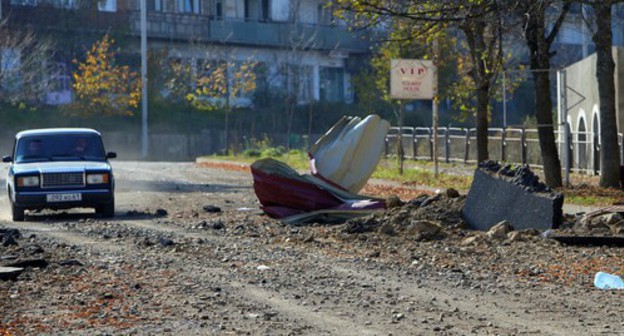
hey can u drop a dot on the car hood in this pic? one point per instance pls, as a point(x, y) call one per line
point(59, 166)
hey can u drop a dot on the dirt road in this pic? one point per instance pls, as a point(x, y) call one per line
point(171, 263)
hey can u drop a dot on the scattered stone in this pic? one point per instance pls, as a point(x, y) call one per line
point(451, 193)
point(218, 225)
point(515, 236)
point(9, 241)
point(165, 242)
point(70, 262)
point(423, 229)
point(35, 263)
point(33, 249)
point(387, 228)
point(393, 201)
point(263, 268)
point(500, 230)
point(212, 209)
point(471, 241)
point(611, 218)
point(309, 238)
point(430, 199)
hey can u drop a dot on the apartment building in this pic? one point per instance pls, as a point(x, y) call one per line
point(304, 50)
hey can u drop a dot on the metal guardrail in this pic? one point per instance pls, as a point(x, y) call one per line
point(512, 145)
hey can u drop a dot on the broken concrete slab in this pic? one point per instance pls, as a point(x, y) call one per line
point(513, 194)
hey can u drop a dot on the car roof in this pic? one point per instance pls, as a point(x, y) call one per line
point(51, 131)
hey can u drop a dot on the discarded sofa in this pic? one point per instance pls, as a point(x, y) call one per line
point(513, 194)
point(341, 162)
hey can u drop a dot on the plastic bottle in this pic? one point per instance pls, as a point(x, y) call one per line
point(608, 281)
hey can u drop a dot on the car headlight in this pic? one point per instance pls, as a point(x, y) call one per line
point(28, 181)
point(97, 178)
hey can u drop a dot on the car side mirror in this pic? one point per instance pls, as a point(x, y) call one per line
point(111, 155)
point(7, 158)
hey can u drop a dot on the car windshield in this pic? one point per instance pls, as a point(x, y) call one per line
point(59, 147)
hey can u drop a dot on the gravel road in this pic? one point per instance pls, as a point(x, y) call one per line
point(189, 253)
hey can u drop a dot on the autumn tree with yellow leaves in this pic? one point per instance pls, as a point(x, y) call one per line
point(102, 86)
point(219, 85)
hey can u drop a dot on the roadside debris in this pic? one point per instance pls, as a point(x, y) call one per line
point(341, 162)
point(604, 280)
point(296, 198)
point(10, 273)
point(513, 194)
point(422, 218)
point(349, 152)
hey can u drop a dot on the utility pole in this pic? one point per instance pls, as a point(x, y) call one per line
point(144, 133)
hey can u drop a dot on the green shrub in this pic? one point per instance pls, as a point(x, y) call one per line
point(252, 152)
point(272, 152)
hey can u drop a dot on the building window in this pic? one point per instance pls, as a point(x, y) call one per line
point(265, 7)
point(107, 5)
point(59, 89)
point(155, 5)
point(188, 6)
point(218, 9)
point(332, 84)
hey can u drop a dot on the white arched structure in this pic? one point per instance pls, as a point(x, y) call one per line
point(595, 132)
point(581, 141)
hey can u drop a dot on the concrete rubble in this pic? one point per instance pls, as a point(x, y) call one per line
point(514, 194)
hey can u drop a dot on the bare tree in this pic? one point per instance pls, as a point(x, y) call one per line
point(23, 64)
point(605, 70)
point(479, 21)
point(532, 14)
point(301, 41)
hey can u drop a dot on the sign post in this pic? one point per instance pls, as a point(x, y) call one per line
point(415, 79)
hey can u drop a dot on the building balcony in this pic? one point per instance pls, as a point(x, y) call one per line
point(48, 17)
point(187, 27)
point(252, 33)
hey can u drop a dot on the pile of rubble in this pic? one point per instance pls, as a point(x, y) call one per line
point(424, 217)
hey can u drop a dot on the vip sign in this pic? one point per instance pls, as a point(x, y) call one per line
point(412, 79)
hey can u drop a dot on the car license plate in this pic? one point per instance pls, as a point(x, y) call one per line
point(63, 197)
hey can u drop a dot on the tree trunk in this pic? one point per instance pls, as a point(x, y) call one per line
point(543, 114)
point(539, 46)
point(227, 126)
point(481, 76)
point(483, 99)
point(605, 69)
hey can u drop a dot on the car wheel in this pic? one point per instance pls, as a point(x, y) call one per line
point(106, 210)
point(17, 212)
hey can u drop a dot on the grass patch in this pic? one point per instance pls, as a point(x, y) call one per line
point(415, 175)
point(592, 196)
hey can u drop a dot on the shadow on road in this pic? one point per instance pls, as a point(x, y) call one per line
point(124, 185)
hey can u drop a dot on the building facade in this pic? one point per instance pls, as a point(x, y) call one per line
point(304, 51)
